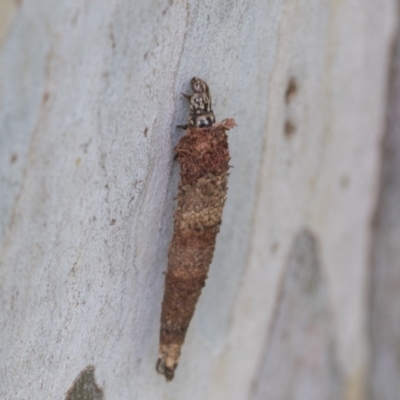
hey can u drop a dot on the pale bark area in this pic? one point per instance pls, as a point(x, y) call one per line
point(89, 101)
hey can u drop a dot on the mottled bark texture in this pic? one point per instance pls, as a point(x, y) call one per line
point(300, 359)
point(203, 155)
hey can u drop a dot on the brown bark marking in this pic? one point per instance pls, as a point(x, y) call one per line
point(204, 156)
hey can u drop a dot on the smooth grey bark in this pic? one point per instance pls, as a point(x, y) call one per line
point(90, 94)
point(384, 382)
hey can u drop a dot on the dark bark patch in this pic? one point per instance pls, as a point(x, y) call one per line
point(291, 90)
point(85, 387)
point(290, 128)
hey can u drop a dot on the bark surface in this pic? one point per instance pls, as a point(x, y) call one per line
point(90, 93)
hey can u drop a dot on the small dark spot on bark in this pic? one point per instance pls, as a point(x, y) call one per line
point(73, 269)
point(85, 387)
point(102, 162)
point(106, 186)
point(170, 2)
point(46, 96)
point(85, 146)
point(112, 38)
point(274, 247)
point(18, 3)
point(291, 90)
point(113, 221)
point(290, 128)
point(75, 18)
point(13, 158)
point(145, 131)
point(145, 55)
point(344, 181)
